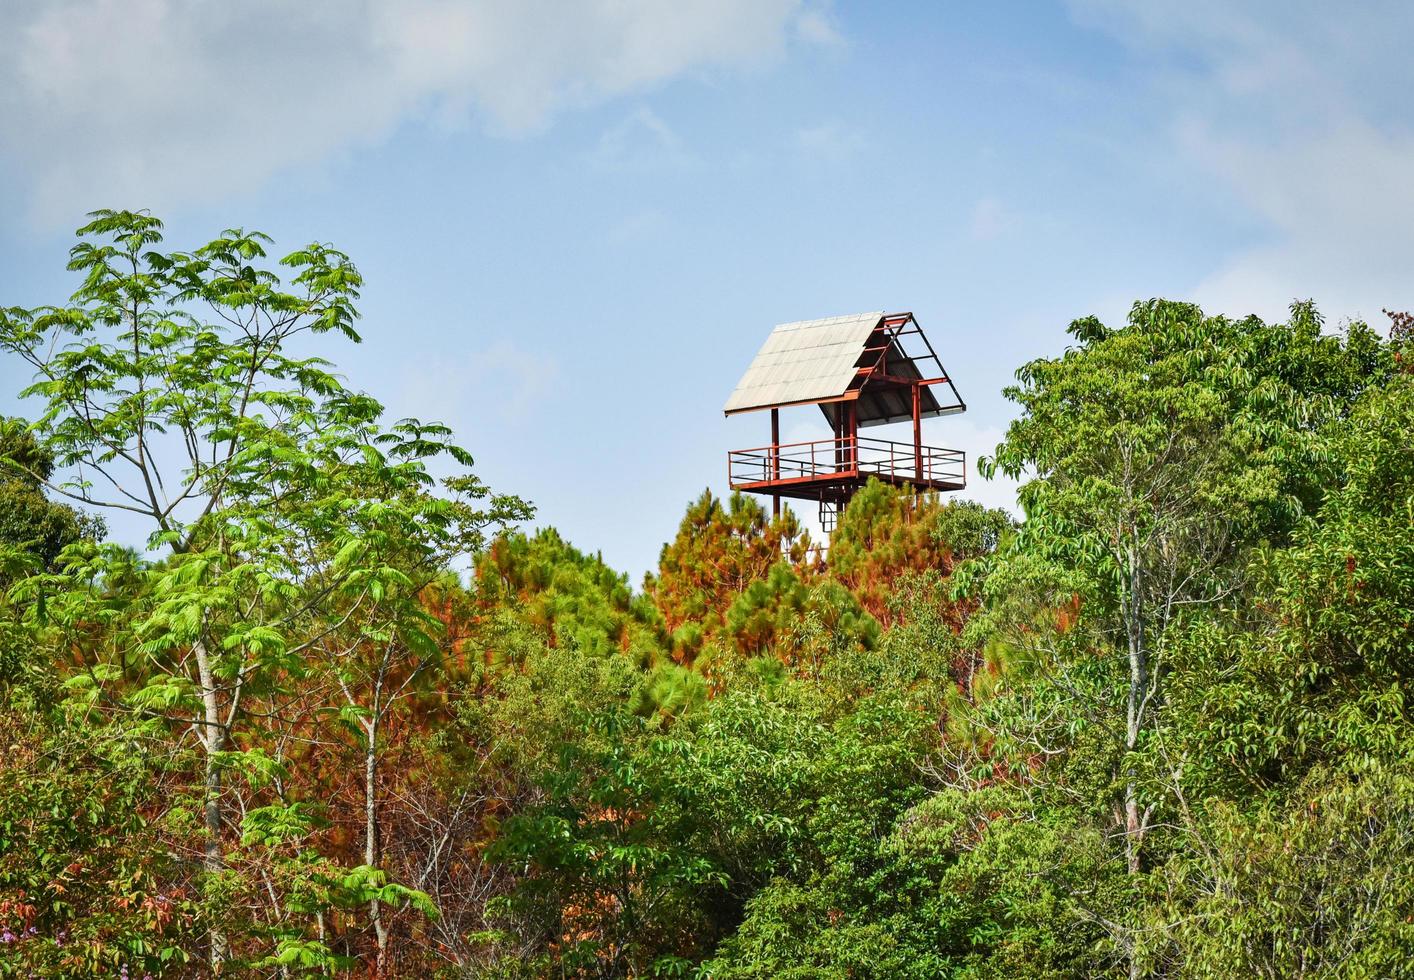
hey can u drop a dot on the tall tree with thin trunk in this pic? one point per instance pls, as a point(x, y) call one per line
point(172, 395)
point(1158, 455)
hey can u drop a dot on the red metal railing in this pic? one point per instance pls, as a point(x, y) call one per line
point(820, 458)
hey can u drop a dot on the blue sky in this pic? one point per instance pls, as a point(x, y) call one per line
point(577, 221)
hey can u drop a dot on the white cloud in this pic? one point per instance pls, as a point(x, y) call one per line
point(991, 219)
point(165, 101)
point(1298, 111)
point(818, 27)
point(830, 141)
point(637, 226)
point(1342, 209)
point(501, 381)
point(642, 141)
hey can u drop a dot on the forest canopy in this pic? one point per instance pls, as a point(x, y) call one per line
point(1155, 726)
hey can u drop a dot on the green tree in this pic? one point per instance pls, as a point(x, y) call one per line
point(800, 624)
point(29, 521)
point(569, 597)
point(279, 506)
point(88, 882)
point(1160, 454)
point(720, 550)
point(886, 533)
point(610, 877)
point(1292, 754)
point(1316, 674)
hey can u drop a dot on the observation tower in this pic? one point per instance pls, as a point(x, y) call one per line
point(861, 370)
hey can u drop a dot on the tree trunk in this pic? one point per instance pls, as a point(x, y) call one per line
point(371, 850)
point(213, 741)
point(1134, 704)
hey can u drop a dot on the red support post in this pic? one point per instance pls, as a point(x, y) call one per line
point(851, 455)
point(917, 434)
point(775, 459)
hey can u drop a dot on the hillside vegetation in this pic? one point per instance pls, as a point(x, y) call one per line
point(1156, 728)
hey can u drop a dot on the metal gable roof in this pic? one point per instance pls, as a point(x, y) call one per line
point(804, 361)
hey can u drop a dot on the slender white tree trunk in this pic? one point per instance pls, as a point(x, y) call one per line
point(372, 855)
point(1132, 609)
point(1134, 706)
point(213, 741)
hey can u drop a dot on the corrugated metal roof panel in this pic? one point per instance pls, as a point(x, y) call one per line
point(803, 361)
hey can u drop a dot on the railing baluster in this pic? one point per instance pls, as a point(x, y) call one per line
point(881, 457)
